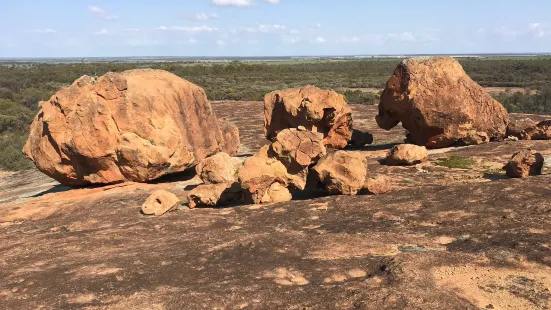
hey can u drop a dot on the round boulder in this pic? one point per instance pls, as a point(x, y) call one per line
point(138, 125)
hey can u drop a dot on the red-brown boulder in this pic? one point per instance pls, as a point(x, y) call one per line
point(137, 125)
point(317, 110)
point(440, 105)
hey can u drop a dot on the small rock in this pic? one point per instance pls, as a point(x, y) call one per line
point(406, 154)
point(219, 168)
point(524, 163)
point(360, 138)
point(378, 185)
point(159, 203)
point(215, 195)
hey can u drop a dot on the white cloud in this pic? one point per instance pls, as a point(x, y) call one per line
point(294, 31)
point(253, 42)
point(221, 43)
point(404, 36)
point(353, 39)
point(46, 30)
point(319, 39)
point(204, 16)
point(132, 29)
point(290, 40)
point(272, 1)
point(102, 32)
point(539, 30)
point(232, 2)
point(101, 13)
point(188, 29)
point(264, 28)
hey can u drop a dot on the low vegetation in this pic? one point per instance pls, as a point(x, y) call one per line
point(457, 162)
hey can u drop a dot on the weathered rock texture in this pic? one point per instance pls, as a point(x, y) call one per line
point(230, 134)
point(264, 178)
point(539, 131)
point(215, 195)
point(378, 185)
point(440, 105)
point(517, 127)
point(137, 125)
point(341, 172)
point(297, 150)
point(268, 175)
point(219, 168)
point(524, 164)
point(317, 110)
point(406, 154)
point(159, 203)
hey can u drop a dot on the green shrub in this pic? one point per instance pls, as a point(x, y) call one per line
point(11, 157)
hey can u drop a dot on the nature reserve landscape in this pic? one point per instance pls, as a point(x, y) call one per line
point(267, 154)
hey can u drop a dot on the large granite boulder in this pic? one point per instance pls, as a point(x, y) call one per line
point(317, 110)
point(137, 125)
point(440, 105)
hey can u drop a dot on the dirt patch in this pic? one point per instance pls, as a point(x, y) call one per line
point(498, 288)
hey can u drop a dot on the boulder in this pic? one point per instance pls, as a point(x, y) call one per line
point(137, 125)
point(215, 195)
point(406, 154)
point(341, 172)
point(516, 128)
point(264, 178)
point(378, 185)
point(360, 138)
point(524, 163)
point(219, 168)
point(230, 133)
point(440, 105)
point(297, 149)
point(159, 203)
point(317, 110)
point(540, 131)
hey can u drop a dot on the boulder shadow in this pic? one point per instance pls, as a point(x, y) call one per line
point(56, 189)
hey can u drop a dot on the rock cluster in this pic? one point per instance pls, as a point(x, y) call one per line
point(220, 187)
point(317, 110)
point(138, 125)
point(440, 105)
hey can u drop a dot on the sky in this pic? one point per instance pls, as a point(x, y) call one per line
point(117, 28)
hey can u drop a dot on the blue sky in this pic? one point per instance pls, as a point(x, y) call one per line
point(78, 28)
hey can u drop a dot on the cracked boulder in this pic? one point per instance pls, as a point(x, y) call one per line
point(440, 105)
point(138, 125)
point(315, 109)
